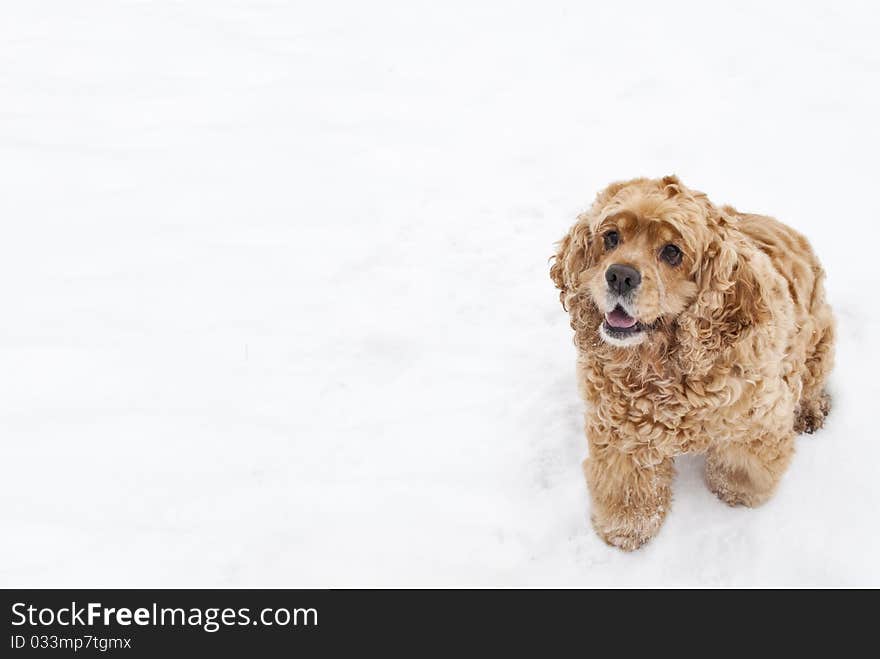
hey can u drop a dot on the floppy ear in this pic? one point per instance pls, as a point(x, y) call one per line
point(733, 297)
point(573, 254)
point(571, 260)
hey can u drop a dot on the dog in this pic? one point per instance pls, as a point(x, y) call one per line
point(699, 329)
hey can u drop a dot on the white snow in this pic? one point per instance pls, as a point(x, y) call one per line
point(276, 304)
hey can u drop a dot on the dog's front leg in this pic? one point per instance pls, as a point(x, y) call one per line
point(629, 500)
point(746, 472)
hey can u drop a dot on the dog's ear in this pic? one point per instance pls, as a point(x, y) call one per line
point(732, 297)
point(571, 260)
point(573, 253)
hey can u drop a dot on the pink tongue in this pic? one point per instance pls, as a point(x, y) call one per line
point(619, 318)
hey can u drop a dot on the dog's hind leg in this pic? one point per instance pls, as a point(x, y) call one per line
point(815, 403)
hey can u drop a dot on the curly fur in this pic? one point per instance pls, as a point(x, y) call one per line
point(733, 363)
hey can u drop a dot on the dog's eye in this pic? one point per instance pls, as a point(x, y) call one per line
point(611, 239)
point(671, 254)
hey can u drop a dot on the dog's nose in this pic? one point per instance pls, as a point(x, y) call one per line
point(622, 278)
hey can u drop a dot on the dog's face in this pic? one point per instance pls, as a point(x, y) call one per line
point(637, 255)
point(642, 272)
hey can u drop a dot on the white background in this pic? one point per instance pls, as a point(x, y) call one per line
point(275, 297)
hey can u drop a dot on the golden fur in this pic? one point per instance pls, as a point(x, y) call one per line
point(732, 363)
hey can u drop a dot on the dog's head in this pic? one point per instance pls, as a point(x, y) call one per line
point(654, 262)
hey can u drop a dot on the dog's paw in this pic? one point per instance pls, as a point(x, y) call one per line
point(729, 496)
point(810, 415)
point(733, 488)
point(631, 531)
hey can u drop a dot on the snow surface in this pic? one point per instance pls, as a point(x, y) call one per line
point(276, 304)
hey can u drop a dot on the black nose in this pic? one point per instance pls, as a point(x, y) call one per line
point(622, 278)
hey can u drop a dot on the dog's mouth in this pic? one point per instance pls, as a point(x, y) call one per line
point(618, 323)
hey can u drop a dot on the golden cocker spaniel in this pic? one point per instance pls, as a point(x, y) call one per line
point(699, 329)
